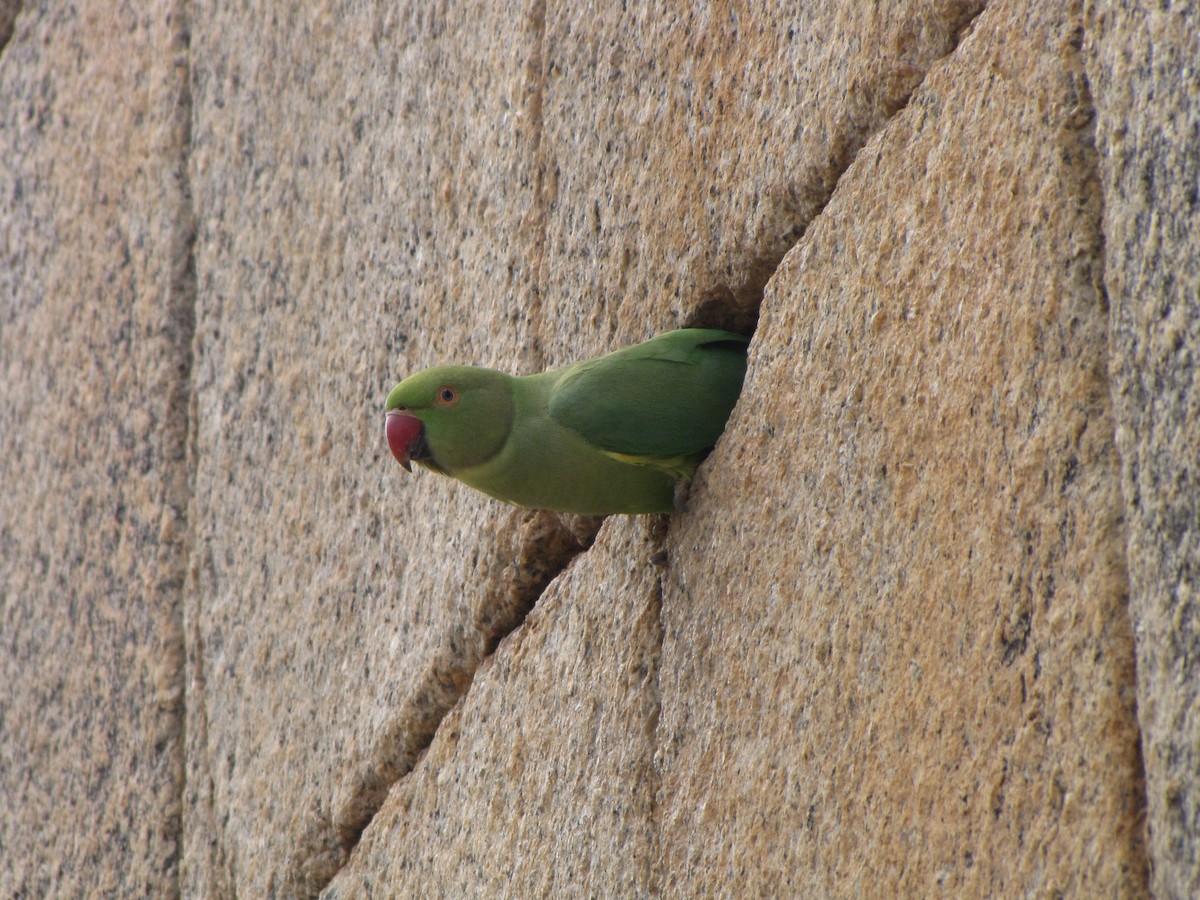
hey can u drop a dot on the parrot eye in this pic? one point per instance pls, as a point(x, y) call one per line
point(446, 395)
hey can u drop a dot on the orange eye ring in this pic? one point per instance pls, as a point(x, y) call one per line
point(446, 395)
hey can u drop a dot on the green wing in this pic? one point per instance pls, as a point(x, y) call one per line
point(663, 402)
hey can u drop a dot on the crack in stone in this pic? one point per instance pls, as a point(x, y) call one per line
point(546, 544)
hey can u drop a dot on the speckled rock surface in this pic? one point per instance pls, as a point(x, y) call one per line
point(916, 672)
point(94, 340)
point(888, 643)
point(1145, 71)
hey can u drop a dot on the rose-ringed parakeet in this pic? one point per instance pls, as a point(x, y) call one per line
point(608, 435)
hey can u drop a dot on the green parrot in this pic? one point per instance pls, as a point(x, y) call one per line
point(608, 435)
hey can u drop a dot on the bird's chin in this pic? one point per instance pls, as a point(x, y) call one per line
point(419, 452)
point(429, 463)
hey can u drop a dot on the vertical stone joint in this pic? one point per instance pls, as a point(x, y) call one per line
point(180, 325)
point(1084, 116)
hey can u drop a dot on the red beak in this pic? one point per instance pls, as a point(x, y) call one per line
point(405, 436)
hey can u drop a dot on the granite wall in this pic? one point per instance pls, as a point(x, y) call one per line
point(927, 624)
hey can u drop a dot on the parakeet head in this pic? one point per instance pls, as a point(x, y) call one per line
point(449, 418)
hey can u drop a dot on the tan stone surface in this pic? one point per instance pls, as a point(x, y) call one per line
point(94, 338)
point(911, 671)
point(1145, 72)
point(541, 782)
